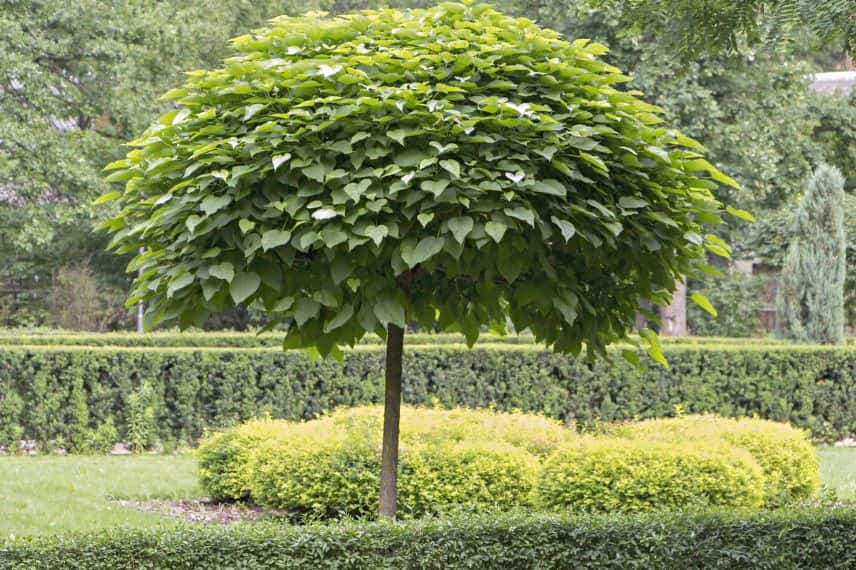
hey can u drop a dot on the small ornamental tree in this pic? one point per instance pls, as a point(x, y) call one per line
point(811, 295)
point(452, 167)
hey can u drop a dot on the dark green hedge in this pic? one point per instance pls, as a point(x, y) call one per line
point(803, 539)
point(59, 394)
point(252, 340)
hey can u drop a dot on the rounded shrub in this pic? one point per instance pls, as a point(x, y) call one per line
point(468, 473)
point(336, 473)
point(536, 434)
point(329, 466)
point(785, 454)
point(224, 457)
point(620, 475)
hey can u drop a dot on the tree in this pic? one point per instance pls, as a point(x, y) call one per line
point(77, 78)
point(811, 297)
point(453, 167)
point(715, 25)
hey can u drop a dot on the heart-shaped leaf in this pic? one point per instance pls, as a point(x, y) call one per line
point(243, 285)
point(275, 238)
point(460, 227)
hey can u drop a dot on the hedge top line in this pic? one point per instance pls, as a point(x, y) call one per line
point(276, 531)
point(449, 347)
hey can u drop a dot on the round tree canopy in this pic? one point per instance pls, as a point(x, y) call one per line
point(452, 166)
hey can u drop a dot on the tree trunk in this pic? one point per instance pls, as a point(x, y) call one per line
point(674, 317)
point(391, 416)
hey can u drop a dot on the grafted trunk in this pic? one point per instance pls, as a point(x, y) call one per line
point(391, 419)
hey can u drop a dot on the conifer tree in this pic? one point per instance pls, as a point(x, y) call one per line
point(810, 304)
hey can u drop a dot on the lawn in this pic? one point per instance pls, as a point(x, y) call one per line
point(51, 494)
point(838, 470)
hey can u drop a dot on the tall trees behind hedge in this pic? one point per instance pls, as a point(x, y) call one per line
point(111, 58)
point(811, 296)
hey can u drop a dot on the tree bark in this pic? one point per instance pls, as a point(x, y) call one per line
point(674, 317)
point(391, 418)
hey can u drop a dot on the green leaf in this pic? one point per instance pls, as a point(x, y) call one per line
point(305, 310)
point(344, 315)
point(425, 218)
point(631, 357)
point(243, 285)
point(703, 302)
point(522, 213)
point(426, 248)
point(213, 204)
point(179, 283)
point(377, 233)
point(388, 310)
point(435, 187)
point(742, 214)
point(246, 225)
point(109, 197)
point(460, 227)
point(631, 202)
point(278, 160)
point(495, 230)
point(315, 172)
point(451, 166)
point(549, 186)
point(567, 228)
point(654, 349)
point(275, 238)
point(224, 271)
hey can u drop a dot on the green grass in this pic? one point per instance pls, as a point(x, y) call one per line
point(50, 494)
point(838, 470)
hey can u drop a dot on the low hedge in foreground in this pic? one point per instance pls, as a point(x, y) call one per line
point(789, 540)
point(61, 395)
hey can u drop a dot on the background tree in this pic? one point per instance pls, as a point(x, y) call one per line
point(702, 27)
point(811, 295)
point(76, 78)
point(454, 167)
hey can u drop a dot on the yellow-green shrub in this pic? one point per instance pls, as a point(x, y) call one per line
point(337, 473)
point(536, 434)
point(785, 454)
point(224, 457)
point(435, 477)
point(619, 475)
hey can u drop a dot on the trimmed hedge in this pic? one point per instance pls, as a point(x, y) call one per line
point(786, 540)
point(252, 340)
point(60, 395)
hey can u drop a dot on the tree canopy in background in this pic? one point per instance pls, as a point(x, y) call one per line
point(698, 27)
point(760, 124)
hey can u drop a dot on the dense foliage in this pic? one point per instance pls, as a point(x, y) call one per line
point(613, 475)
point(54, 394)
point(227, 339)
point(810, 304)
point(479, 459)
point(738, 299)
point(803, 538)
point(699, 27)
point(453, 166)
point(786, 457)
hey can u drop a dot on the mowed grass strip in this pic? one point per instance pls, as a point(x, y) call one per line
point(53, 494)
point(56, 494)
